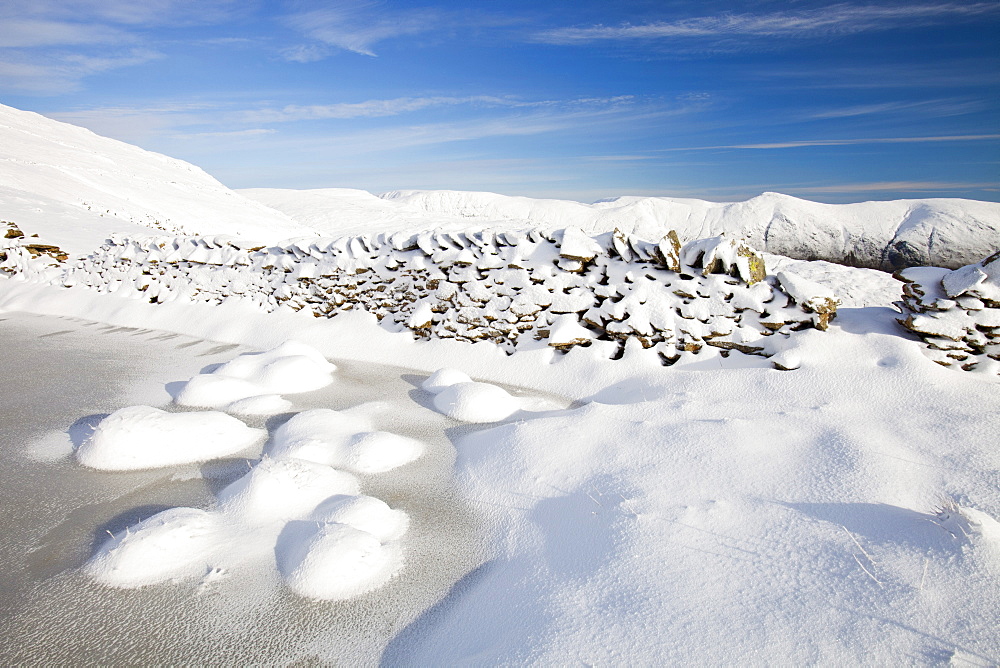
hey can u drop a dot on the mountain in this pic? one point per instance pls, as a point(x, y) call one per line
point(882, 235)
point(74, 188)
point(68, 183)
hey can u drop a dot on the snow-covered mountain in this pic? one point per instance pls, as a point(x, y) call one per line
point(883, 235)
point(62, 180)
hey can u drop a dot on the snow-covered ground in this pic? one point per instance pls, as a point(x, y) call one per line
point(215, 477)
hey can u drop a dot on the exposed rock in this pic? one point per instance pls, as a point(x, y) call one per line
point(956, 313)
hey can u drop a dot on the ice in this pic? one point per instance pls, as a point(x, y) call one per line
point(142, 437)
point(476, 402)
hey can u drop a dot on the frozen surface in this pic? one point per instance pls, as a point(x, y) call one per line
point(206, 581)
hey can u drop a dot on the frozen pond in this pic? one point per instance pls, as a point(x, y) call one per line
point(60, 377)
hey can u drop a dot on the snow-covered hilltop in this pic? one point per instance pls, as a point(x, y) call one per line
point(62, 180)
point(882, 235)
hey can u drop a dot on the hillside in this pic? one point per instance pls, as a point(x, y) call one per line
point(67, 183)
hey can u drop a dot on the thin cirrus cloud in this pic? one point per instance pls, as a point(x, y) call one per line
point(50, 74)
point(354, 26)
point(366, 109)
point(834, 20)
point(27, 33)
point(403, 105)
point(935, 108)
point(841, 142)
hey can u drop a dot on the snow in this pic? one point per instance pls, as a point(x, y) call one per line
point(332, 561)
point(278, 490)
point(175, 543)
point(886, 235)
point(443, 378)
point(475, 402)
point(63, 181)
point(252, 383)
point(142, 437)
point(610, 488)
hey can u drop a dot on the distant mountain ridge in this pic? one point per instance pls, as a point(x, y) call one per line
point(76, 188)
point(881, 235)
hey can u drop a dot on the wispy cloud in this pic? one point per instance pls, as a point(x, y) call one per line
point(125, 12)
point(49, 74)
point(366, 109)
point(233, 134)
point(936, 108)
point(403, 105)
point(833, 20)
point(50, 46)
point(355, 25)
point(842, 142)
point(21, 33)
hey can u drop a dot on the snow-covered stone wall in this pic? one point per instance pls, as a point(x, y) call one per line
point(519, 289)
point(956, 313)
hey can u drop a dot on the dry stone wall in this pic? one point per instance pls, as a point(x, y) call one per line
point(956, 313)
point(517, 289)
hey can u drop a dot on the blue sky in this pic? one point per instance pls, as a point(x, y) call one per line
point(832, 101)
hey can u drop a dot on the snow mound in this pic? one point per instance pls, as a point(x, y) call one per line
point(332, 562)
point(476, 402)
point(173, 544)
point(381, 451)
point(365, 513)
point(343, 439)
point(278, 490)
point(956, 313)
point(142, 437)
point(443, 378)
point(290, 368)
point(321, 435)
point(264, 404)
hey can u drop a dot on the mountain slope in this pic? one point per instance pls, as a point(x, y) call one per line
point(59, 179)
